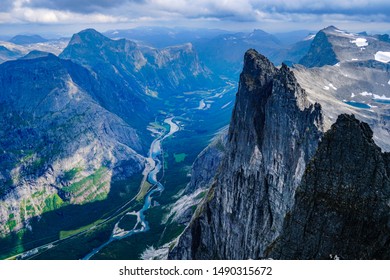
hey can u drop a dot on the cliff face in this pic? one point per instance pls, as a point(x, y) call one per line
point(273, 133)
point(343, 204)
point(321, 51)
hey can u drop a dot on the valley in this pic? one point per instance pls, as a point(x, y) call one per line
point(125, 145)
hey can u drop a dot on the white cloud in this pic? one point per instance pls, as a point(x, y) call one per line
point(272, 14)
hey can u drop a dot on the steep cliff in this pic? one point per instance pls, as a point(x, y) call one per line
point(321, 51)
point(342, 206)
point(273, 133)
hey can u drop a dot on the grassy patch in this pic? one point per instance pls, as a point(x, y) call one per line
point(94, 180)
point(67, 233)
point(71, 174)
point(11, 224)
point(179, 157)
point(144, 190)
point(171, 232)
point(166, 157)
point(201, 195)
point(53, 202)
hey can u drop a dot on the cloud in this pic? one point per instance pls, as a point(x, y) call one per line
point(79, 6)
point(325, 7)
point(180, 11)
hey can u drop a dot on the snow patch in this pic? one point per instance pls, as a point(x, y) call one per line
point(375, 96)
point(388, 82)
point(352, 95)
point(326, 88)
point(345, 33)
point(360, 42)
point(310, 37)
point(383, 97)
point(332, 86)
point(382, 57)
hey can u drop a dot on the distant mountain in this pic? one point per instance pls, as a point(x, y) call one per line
point(35, 54)
point(349, 73)
point(292, 54)
point(332, 45)
point(162, 37)
point(6, 54)
point(293, 37)
point(145, 71)
point(223, 54)
point(11, 51)
point(27, 39)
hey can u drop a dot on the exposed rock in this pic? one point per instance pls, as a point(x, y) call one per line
point(320, 53)
point(342, 206)
point(273, 133)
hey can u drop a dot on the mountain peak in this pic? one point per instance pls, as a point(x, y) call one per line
point(88, 36)
point(330, 28)
point(321, 51)
point(270, 132)
point(257, 64)
point(27, 39)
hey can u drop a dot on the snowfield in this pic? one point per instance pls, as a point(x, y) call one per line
point(360, 42)
point(382, 56)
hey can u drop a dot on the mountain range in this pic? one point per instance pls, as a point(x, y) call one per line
point(85, 120)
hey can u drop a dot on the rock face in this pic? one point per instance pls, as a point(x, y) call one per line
point(342, 206)
point(273, 133)
point(321, 51)
point(207, 163)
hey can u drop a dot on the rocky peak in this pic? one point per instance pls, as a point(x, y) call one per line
point(330, 28)
point(271, 137)
point(88, 36)
point(342, 206)
point(321, 51)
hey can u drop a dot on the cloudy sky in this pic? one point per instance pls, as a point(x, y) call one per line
point(69, 16)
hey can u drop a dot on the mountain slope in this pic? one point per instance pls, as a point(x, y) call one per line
point(332, 45)
point(58, 146)
point(342, 206)
point(357, 84)
point(273, 133)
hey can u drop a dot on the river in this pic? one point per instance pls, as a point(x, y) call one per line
point(152, 168)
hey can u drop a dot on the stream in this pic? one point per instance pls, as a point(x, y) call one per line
point(152, 168)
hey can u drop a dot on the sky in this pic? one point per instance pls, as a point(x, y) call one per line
point(65, 17)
